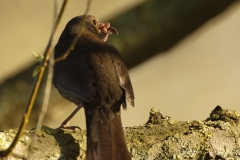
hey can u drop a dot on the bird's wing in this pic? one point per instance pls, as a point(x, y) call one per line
point(76, 79)
point(123, 77)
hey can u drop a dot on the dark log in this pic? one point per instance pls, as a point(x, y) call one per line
point(157, 25)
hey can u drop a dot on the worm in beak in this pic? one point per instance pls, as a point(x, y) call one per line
point(105, 29)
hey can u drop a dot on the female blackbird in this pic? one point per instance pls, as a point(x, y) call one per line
point(93, 76)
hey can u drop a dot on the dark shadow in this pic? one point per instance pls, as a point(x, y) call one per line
point(70, 149)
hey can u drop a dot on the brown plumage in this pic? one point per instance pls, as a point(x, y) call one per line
point(94, 76)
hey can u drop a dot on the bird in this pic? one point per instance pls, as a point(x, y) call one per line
point(94, 77)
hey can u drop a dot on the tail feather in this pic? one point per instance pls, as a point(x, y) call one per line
point(105, 137)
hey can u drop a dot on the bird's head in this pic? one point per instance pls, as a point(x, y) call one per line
point(90, 23)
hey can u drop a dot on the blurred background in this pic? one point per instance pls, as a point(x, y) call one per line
point(183, 56)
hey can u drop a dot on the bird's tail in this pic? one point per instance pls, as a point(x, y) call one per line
point(105, 137)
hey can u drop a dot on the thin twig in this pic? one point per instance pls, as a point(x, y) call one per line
point(65, 55)
point(49, 78)
point(36, 86)
point(44, 106)
point(47, 90)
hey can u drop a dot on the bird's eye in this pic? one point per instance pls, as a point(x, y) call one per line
point(95, 22)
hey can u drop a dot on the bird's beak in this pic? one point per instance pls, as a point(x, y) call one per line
point(105, 29)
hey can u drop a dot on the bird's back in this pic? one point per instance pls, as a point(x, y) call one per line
point(90, 68)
